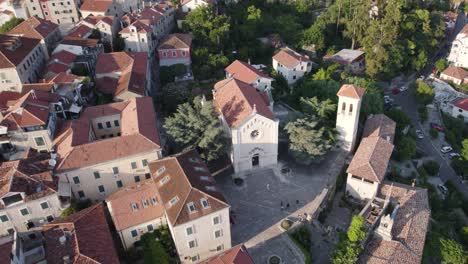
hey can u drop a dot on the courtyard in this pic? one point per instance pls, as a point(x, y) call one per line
point(269, 195)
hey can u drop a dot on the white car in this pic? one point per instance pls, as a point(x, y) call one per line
point(388, 99)
point(444, 190)
point(454, 155)
point(419, 134)
point(446, 149)
point(403, 88)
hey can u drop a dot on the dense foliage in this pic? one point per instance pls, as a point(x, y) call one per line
point(349, 246)
point(302, 238)
point(10, 24)
point(158, 247)
point(196, 125)
point(424, 92)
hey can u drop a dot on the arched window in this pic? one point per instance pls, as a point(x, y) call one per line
point(343, 107)
point(351, 108)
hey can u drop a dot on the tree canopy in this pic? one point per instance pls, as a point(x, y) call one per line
point(10, 24)
point(196, 125)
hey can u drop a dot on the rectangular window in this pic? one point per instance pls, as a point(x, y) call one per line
point(164, 54)
point(205, 203)
point(189, 230)
point(150, 228)
point(184, 53)
point(154, 201)
point(144, 162)
point(119, 184)
point(220, 247)
point(174, 200)
point(39, 141)
point(101, 188)
point(134, 207)
point(161, 170)
point(99, 125)
point(191, 207)
point(134, 233)
point(192, 244)
point(164, 180)
point(137, 178)
point(134, 165)
point(50, 218)
point(204, 178)
point(356, 177)
point(81, 194)
point(216, 220)
point(97, 175)
point(174, 54)
point(44, 205)
point(195, 258)
point(4, 218)
point(343, 107)
point(115, 170)
point(108, 124)
point(116, 123)
point(147, 175)
point(218, 233)
point(24, 211)
point(76, 180)
point(145, 203)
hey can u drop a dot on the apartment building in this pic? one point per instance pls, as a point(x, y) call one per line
point(291, 65)
point(108, 26)
point(29, 122)
point(46, 31)
point(175, 49)
point(135, 210)
point(196, 211)
point(101, 8)
point(248, 121)
point(458, 53)
point(83, 237)
point(143, 28)
point(128, 6)
point(63, 12)
point(108, 147)
point(30, 195)
point(123, 75)
point(22, 60)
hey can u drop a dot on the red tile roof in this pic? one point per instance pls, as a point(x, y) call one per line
point(190, 181)
point(77, 41)
point(66, 78)
point(13, 50)
point(97, 6)
point(456, 72)
point(234, 255)
point(34, 27)
point(462, 103)
point(80, 31)
point(176, 41)
point(371, 159)
point(120, 205)
point(289, 58)
point(352, 91)
point(6, 248)
point(380, 126)
point(94, 20)
point(138, 135)
point(44, 87)
point(56, 68)
point(245, 72)
point(88, 238)
point(237, 100)
point(131, 66)
point(64, 57)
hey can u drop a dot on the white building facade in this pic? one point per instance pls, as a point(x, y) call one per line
point(459, 50)
point(291, 65)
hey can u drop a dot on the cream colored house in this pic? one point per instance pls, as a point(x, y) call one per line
point(249, 122)
point(31, 196)
point(64, 13)
point(458, 53)
point(291, 65)
point(135, 210)
point(108, 26)
point(196, 211)
point(190, 5)
point(101, 8)
point(369, 165)
point(108, 147)
point(23, 60)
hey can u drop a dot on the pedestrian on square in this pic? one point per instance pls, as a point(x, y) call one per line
point(268, 186)
point(282, 205)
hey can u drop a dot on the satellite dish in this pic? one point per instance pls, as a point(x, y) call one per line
point(52, 162)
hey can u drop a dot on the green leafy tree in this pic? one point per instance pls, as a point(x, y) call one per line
point(118, 43)
point(254, 14)
point(349, 246)
point(452, 252)
point(324, 110)
point(464, 151)
point(441, 64)
point(424, 92)
point(355, 231)
point(401, 118)
point(10, 24)
point(196, 125)
point(307, 142)
point(153, 250)
point(406, 148)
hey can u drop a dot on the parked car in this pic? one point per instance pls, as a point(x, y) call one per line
point(437, 127)
point(444, 190)
point(396, 91)
point(446, 149)
point(388, 99)
point(454, 155)
point(419, 134)
point(403, 88)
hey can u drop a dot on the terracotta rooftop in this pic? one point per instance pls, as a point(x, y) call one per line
point(345, 56)
point(120, 205)
point(88, 238)
point(6, 246)
point(14, 49)
point(34, 27)
point(456, 72)
point(185, 178)
point(352, 91)
point(409, 228)
point(138, 134)
point(237, 100)
point(371, 159)
point(94, 20)
point(66, 78)
point(78, 41)
point(140, 25)
point(40, 86)
point(64, 57)
point(176, 41)
point(31, 109)
point(380, 125)
point(130, 66)
point(234, 255)
point(96, 6)
point(289, 58)
point(143, 20)
point(31, 176)
point(80, 31)
point(245, 72)
point(462, 103)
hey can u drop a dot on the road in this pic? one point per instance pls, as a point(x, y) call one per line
point(409, 105)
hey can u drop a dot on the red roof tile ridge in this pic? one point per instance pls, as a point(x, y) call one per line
point(189, 183)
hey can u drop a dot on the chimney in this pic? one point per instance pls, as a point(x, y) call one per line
point(248, 61)
point(63, 240)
